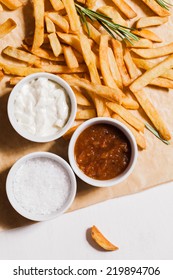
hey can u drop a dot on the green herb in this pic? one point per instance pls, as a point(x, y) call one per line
point(112, 28)
point(152, 130)
point(164, 4)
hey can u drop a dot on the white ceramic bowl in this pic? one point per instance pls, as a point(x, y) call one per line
point(119, 178)
point(28, 135)
point(16, 205)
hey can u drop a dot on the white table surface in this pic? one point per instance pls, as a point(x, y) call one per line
point(141, 225)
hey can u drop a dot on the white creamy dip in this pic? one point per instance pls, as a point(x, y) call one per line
point(41, 107)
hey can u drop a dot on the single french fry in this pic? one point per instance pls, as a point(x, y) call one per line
point(72, 15)
point(126, 115)
point(118, 52)
point(150, 21)
point(125, 8)
point(94, 33)
point(153, 114)
point(140, 44)
point(162, 82)
point(114, 68)
point(100, 90)
point(12, 69)
point(70, 57)
point(101, 240)
point(50, 26)
point(113, 14)
point(129, 103)
point(59, 20)
point(140, 139)
point(80, 98)
point(146, 64)
point(15, 80)
point(57, 5)
point(147, 34)
point(12, 4)
point(58, 69)
point(1, 75)
point(1, 8)
point(7, 27)
point(85, 114)
point(131, 66)
point(39, 23)
point(155, 52)
point(70, 39)
point(151, 74)
point(155, 7)
point(55, 44)
point(70, 132)
point(90, 3)
point(21, 55)
point(89, 58)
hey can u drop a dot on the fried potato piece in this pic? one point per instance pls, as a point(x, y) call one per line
point(7, 27)
point(70, 132)
point(90, 3)
point(100, 90)
point(94, 33)
point(85, 114)
point(126, 115)
point(147, 34)
point(80, 98)
point(155, 7)
point(140, 139)
point(118, 52)
point(50, 26)
point(59, 20)
point(129, 103)
point(153, 114)
point(125, 8)
point(72, 15)
point(1, 75)
point(131, 66)
point(1, 8)
point(140, 44)
point(162, 82)
point(70, 39)
point(151, 21)
point(151, 74)
point(58, 69)
point(70, 57)
point(29, 40)
point(155, 52)
point(55, 44)
point(21, 55)
point(12, 69)
point(12, 4)
point(39, 23)
point(114, 68)
point(15, 80)
point(113, 14)
point(57, 5)
point(101, 240)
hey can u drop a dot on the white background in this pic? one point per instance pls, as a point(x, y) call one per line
point(141, 225)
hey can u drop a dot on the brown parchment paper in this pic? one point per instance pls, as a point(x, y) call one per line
point(154, 165)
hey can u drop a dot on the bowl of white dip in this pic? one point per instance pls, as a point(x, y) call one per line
point(41, 186)
point(42, 107)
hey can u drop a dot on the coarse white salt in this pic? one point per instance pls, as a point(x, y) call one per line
point(41, 186)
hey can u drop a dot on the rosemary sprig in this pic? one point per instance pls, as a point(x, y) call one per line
point(164, 4)
point(152, 130)
point(122, 31)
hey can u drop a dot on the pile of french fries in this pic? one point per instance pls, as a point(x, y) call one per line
point(108, 76)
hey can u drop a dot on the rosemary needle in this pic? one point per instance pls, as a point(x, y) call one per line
point(164, 4)
point(152, 130)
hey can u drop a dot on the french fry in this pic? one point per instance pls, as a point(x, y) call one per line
point(72, 15)
point(39, 23)
point(147, 34)
point(101, 240)
point(21, 55)
point(140, 139)
point(15, 80)
point(131, 66)
point(94, 33)
point(70, 132)
point(7, 27)
point(1, 75)
point(151, 74)
point(70, 57)
point(151, 21)
point(58, 69)
point(1, 8)
point(140, 44)
point(89, 58)
point(162, 82)
point(57, 5)
point(114, 68)
point(29, 40)
point(153, 114)
point(59, 20)
point(100, 90)
point(50, 26)
point(118, 52)
point(113, 14)
point(126, 115)
point(12, 69)
point(146, 64)
point(85, 114)
point(80, 98)
point(55, 44)
point(70, 39)
point(125, 8)
point(155, 52)
point(12, 4)
point(155, 7)
point(90, 3)
point(129, 103)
